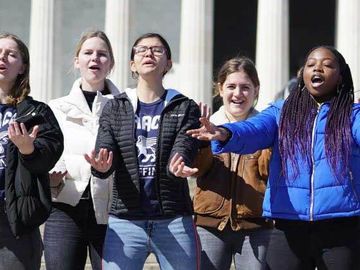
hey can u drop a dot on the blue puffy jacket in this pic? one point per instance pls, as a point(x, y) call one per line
point(316, 193)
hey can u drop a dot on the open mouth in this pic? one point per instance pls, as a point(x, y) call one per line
point(2, 67)
point(317, 80)
point(94, 68)
point(237, 102)
point(149, 63)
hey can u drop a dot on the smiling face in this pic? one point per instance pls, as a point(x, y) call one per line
point(11, 63)
point(94, 63)
point(239, 94)
point(150, 63)
point(321, 74)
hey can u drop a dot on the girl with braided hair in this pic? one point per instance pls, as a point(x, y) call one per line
point(314, 182)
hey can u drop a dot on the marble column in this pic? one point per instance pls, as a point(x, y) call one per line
point(348, 37)
point(42, 49)
point(196, 49)
point(117, 28)
point(272, 48)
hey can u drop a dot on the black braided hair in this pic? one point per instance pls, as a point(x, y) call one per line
point(297, 120)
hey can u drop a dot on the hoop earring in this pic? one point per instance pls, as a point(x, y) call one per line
point(302, 89)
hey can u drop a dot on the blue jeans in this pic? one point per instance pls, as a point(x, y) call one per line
point(129, 242)
point(22, 253)
point(248, 247)
point(69, 232)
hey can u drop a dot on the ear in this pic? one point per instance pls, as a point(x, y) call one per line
point(76, 62)
point(257, 88)
point(168, 65)
point(220, 89)
point(132, 66)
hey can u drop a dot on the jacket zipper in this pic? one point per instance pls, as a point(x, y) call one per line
point(134, 147)
point(313, 168)
point(157, 166)
point(31, 111)
point(157, 186)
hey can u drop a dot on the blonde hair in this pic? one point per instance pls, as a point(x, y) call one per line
point(95, 33)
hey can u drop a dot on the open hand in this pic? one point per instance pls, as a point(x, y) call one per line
point(102, 162)
point(19, 135)
point(208, 131)
point(56, 177)
point(178, 168)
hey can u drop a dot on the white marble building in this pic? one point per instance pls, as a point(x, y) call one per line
point(201, 33)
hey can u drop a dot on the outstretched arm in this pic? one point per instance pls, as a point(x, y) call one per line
point(209, 132)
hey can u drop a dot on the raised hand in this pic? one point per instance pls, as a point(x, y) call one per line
point(102, 162)
point(208, 131)
point(19, 135)
point(178, 168)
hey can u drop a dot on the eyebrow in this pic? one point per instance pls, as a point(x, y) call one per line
point(101, 50)
point(243, 84)
point(327, 58)
point(11, 50)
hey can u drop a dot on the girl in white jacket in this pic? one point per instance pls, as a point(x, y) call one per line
point(80, 201)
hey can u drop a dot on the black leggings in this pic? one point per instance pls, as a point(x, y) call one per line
point(328, 244)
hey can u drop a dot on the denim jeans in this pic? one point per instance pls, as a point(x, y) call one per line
point(23, 253)
point(248, 247)
point(301, 245)
point(69, 232)
point(129, 242)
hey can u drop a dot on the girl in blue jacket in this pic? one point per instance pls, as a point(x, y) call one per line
point(314, 182)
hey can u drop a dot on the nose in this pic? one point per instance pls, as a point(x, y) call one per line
point(2, 55)
point(95, 57)
point(238, 91)
point(318, 67)
point(148, 52)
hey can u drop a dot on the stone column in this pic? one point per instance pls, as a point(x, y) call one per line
point(41, 49)
point(348, 37)
point(196, 49)
point(117, 28)
point(272, 48)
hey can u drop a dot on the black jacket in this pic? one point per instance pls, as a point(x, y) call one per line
point(27, 192)
point(116, 133)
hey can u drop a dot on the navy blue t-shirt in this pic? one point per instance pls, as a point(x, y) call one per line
point(147, 119)
point(7, 113)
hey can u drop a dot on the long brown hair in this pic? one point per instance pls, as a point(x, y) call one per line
point(21, 88)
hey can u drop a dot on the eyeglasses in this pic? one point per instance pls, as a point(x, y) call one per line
point(155, 50)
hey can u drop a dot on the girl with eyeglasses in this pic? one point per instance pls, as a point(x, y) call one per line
point(140, 132)
point(31, 142)
point(77, 224)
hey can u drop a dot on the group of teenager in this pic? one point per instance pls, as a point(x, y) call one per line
point(277, 189)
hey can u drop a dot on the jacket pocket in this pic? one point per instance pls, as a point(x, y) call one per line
point(213, 189)
point(207, 202)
